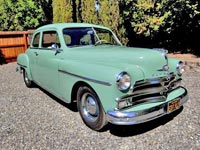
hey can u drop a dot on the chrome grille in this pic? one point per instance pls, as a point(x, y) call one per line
point(149, 91)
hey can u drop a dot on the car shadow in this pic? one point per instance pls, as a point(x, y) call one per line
point(133, 130)
point(71, 106)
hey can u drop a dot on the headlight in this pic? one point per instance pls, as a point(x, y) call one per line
point(180, 68)
point(123, 81)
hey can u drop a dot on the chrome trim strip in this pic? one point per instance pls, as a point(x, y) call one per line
point(154, 99)
point(86, 78)
point(150, 90)
point(138, 102)
point(22, 65)
point(171, 77)
point(136, 117)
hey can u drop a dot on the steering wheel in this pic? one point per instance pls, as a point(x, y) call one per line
point(100, 42)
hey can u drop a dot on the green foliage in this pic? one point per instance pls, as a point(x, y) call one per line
point(108, 15)
point(181, 12)
point(148, 16)
point(181, 25)
point(84, 11)
point(62, 11)
point(172, 24)
point(20, 14)
point(47, 10)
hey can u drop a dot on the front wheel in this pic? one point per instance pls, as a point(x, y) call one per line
point(90, 108)
point(27, 81)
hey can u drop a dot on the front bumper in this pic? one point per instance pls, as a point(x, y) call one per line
point(136, 117)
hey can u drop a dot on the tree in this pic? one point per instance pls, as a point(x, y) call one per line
point(159, 22)
point(180, 24)
point(47, 8)
point(84, 11)
point(62, 11)
point(20, 15)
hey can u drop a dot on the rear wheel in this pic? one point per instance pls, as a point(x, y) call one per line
point(90, 108)
point(27, 81)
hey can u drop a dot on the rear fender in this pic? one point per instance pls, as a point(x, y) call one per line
point(23, 63)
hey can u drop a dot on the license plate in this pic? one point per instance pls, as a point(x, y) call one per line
point(173, 105)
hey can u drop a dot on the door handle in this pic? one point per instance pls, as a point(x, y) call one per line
point(36, 53)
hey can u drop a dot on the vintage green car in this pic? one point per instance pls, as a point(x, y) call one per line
point(87, 64)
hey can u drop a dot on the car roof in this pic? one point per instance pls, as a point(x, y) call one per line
point(70, 25)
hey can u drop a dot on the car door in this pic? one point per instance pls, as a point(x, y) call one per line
point(33, 54)
point(48, 57)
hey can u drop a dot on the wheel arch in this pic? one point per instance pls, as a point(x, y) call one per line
point(23, 63)
point(75, 88)
point(90, 107)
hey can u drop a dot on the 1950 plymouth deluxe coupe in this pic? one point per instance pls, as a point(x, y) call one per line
point(87, 64)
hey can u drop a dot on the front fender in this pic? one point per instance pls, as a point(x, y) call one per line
point(173, 62)
point(102, 79)
point(23, 63)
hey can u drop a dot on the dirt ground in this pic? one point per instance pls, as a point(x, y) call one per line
point(185, 57)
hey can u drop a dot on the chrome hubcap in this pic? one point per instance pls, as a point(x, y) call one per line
point(90, 107)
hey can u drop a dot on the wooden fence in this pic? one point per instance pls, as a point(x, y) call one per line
point(13, 43)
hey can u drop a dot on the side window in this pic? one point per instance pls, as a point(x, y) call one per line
point(67, 38)
point(104, 36)
point(78, 36)
point(36, 40)
point(50, 40)
point(86, 40)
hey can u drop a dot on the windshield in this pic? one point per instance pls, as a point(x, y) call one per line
point(89, 36)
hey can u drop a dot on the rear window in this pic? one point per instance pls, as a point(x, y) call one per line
point(36, 40)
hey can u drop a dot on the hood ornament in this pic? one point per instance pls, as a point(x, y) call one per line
point(164, 68)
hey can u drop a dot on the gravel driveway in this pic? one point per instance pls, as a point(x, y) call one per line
point(34, 119)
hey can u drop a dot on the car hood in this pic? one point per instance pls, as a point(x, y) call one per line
point(148, 61)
